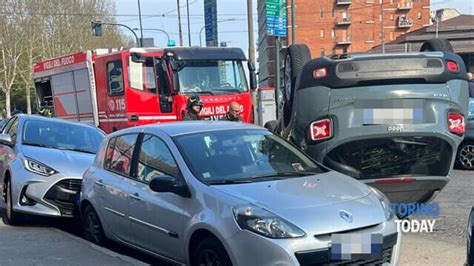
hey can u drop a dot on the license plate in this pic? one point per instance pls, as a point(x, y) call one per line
point(386, 116)
point(356, 246)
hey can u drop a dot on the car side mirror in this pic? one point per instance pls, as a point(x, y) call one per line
point(6, 139)
point(167, 183)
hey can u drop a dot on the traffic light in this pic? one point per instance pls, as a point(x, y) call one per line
point(96, 28)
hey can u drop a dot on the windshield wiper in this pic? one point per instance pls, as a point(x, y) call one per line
point(38, 145)
point(231, 181)
point(78, 150)
point(284, 174)
point(228, 90)
point(204, 92)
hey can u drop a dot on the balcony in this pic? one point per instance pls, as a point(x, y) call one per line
point(343, 2)
point(405, 5)
point(344, 22)
point(404, 22)
point(344, 41)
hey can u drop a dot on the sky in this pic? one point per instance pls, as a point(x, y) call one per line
point(162, 14)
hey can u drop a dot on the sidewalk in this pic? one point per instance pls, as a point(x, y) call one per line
point(36, 246)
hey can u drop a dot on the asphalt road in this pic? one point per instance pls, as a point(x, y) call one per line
point(44, 241)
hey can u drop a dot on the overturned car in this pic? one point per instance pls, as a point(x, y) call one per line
point(393, 121)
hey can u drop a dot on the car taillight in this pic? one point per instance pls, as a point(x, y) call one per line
point(321, 129)
point(456, 123)
point(320, 73)
point(453, 66)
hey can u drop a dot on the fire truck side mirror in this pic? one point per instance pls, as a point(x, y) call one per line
point(253, 77)
point(137, 58)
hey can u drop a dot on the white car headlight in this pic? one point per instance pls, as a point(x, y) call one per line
point(38, 168)
point(385, 202)
point(265, 223)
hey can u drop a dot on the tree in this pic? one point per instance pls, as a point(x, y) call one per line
point(32, 30)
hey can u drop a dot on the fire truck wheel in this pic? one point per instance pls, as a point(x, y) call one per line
point(440, 45)
point(296, 57)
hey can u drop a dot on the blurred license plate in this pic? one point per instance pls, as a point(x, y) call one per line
point(356, 246)
point(386, 116)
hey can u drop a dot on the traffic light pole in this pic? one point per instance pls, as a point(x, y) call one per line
point(118, 24)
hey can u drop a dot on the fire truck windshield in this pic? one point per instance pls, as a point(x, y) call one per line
point(212, 77)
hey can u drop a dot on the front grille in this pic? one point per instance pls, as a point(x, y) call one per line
point(392, 157)
point(63, 195)
point(323, 256)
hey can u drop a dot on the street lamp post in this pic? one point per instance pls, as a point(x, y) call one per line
point(203, 27)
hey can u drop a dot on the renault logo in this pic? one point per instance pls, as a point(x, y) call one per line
point(347, 216)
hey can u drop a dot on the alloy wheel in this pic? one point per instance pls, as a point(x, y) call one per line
point(466, 156)
point(209, 258)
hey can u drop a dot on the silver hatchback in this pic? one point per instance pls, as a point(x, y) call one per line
point(222, 193)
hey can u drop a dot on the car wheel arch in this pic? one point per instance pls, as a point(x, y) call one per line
point(198, 236)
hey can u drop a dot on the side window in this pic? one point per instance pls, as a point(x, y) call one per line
point(119, 154)
point(13, 130)
point(115, 78)
point(155, 160)
point(8, 125)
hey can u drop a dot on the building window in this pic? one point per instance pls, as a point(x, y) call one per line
point(419, 15)
point(344, 50)
point(333, 33)
point(322, 13)
point(321, 33)
point(321, 52)
point(333, 13)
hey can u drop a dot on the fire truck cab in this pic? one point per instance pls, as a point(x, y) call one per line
point(119, 89)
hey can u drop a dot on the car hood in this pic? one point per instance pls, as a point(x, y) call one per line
point(68, 163)
point(314, 203)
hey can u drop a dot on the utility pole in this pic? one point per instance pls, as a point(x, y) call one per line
point(293, 23)
point(250, 29)
point(189, 24)
point(382, 37)
point(179, 25)
point(140, 18)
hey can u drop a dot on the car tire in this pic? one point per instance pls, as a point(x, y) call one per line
point(465, 156)
point(470, 244)
point(92, 227)
point(271, 125)
point(440, 45)
point(296, 57)
point(210, 250)
point(12, 217)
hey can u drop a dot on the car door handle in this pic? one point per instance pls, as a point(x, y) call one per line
point(135, 196)
point(99, 183)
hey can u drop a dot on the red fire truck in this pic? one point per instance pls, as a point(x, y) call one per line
point(136, 86)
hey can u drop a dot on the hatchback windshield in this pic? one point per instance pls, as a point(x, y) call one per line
point(212, 77)
point(58, 135)
point(229, 156)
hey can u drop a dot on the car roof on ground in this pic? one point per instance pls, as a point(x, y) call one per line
point(186, 127)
